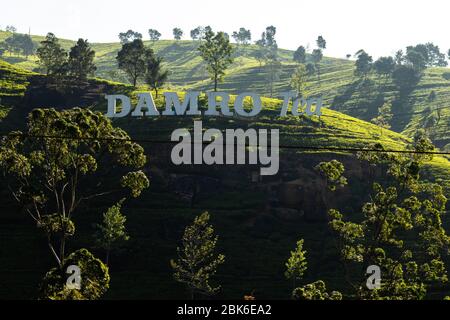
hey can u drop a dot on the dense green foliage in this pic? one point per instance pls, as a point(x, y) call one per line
point(402, 209)
point(216, 51)
point(197, 261)
point(94, 279)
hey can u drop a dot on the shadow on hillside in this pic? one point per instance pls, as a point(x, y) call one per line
point(42, 93)
point(361, 99)
point(14, 60)
point(173, 53)
point(402, 109)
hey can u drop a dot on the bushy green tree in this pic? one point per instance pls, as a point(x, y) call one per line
point(111, 233)
point(216, 51)
point(300, 55)
point(425, 55)
point(197, 261)
point(11, 28)
point(333, 172)
point(384, 66)
point(132, 59)
point(93, 273)
point(363, 64)
point(242, 37)
point(81, 60)
point(402, 207)
point(52, 57)
point(321, 43)
point(315, 291)
point(177, 33)
point(196, 33)
point(20, 44)
point(154, 35)
point(64, 159)
point(405, 77)
point(129, 36)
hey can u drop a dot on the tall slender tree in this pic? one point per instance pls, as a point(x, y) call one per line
point(52, 57)
point(156, 76)
point(197, 261)
point(216, 51)
point(81, 60)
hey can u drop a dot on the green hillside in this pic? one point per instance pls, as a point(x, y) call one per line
point(250, 226)
point(333, 129)
point(338, 86)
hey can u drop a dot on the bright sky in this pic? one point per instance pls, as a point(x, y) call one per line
point(378, 26)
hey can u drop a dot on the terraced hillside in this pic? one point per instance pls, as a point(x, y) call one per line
point(255, 220)
point(341, 90)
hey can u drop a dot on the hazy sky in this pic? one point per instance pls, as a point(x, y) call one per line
point(379, 26)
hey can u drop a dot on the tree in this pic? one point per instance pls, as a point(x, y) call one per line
point(20, 43)
point(317, 56)
point(399, 57)
point(435, 57)
point(81, 60)
point(11, 29)
point(132, 59)
point(112, 231)
point(310, 69)
point(216, 51)
point(384, 116)
point(28, 46)
point(154, 35)
point(260, 53)
point(13, 44)
point(417, 58)
point(299, 80)
point(270, 37)
point(384, 66)
point(296, 265)
point(61, 161)
point(94, 279)
point(52, 57)
point(177, 33)
point(321, 43)
point(155, 75)
point(315, 291)
point(300, 55)
point(363, 64)
point(129, 36)
point(242, 37)
point(405, 78)
point(401, 207)
point(333, 173)
point(197, 261)
point(267, 47)
point(273, 71)
point(425, 55)
point(196, 33)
